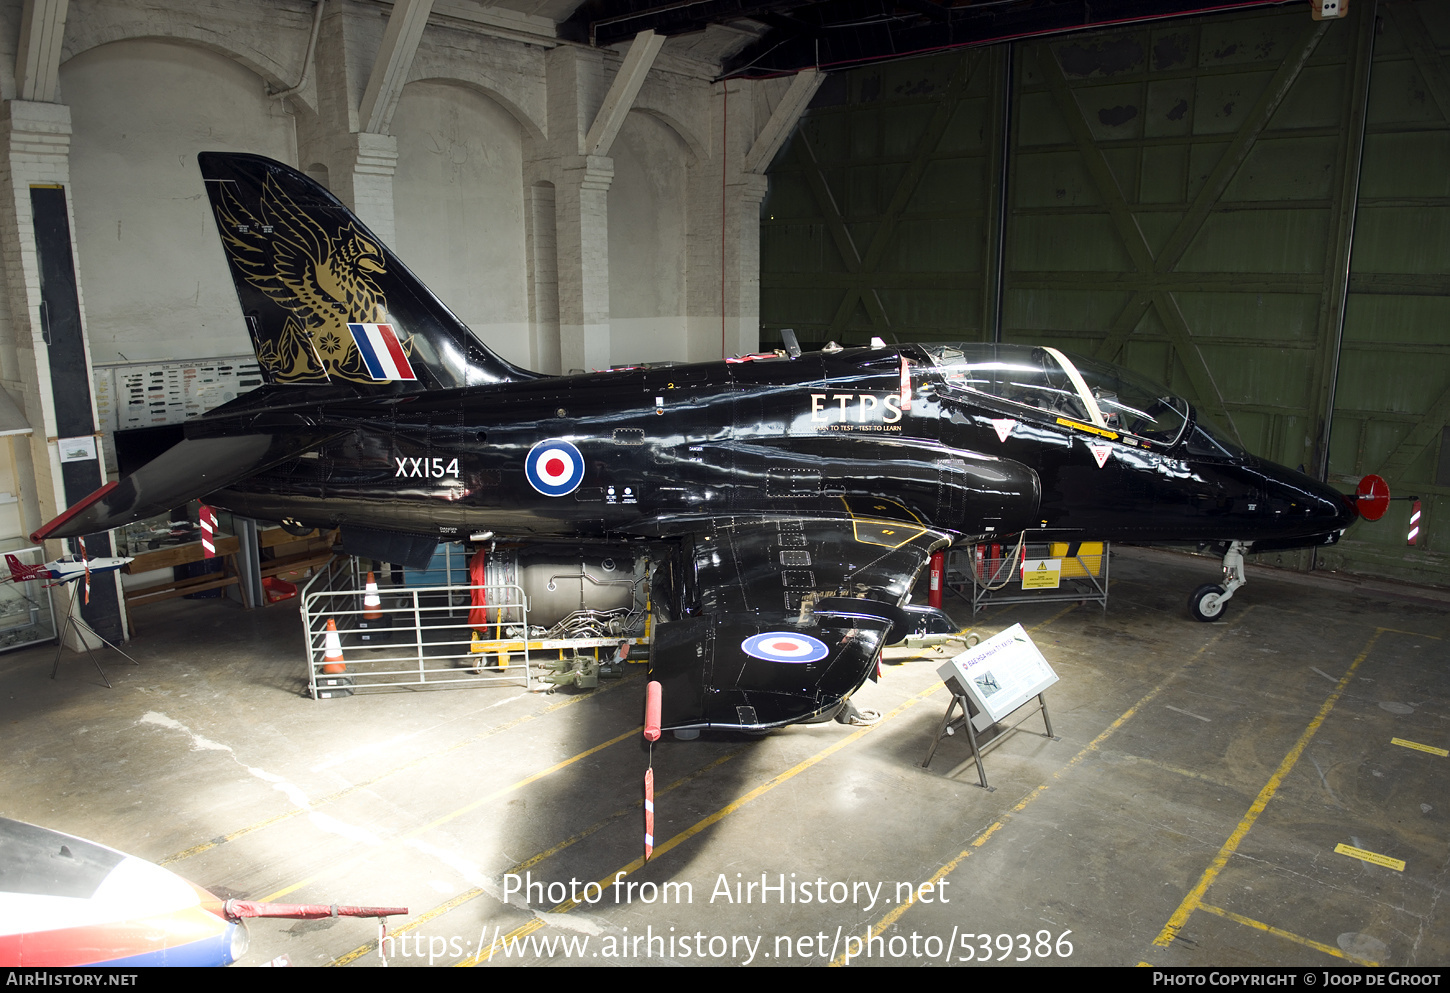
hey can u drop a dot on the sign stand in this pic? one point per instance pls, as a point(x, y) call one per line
point(980, 747)
point(990, 682)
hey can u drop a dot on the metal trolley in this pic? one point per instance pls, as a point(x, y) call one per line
point(999, 573)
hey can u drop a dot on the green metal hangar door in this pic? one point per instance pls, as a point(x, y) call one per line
point(1252, 206)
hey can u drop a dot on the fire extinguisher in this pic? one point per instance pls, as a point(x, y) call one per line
point(938, 579)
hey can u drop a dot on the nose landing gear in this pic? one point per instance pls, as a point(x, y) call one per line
point(1208, 602)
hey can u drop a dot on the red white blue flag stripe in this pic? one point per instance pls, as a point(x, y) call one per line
point(381, 352)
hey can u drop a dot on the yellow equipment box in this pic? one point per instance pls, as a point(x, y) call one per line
point(1080, 559)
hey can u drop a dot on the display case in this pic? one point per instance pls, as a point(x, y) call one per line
point(27, 615)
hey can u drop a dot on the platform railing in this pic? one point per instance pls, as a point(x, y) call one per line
point(418, 635)
point(997, 578)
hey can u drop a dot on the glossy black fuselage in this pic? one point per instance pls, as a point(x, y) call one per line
point(665, 448)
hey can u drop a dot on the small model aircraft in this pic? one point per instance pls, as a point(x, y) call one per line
point(792, 499)
point(65, 901)
point(61, 571)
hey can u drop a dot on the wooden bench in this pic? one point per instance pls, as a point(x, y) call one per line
point(290, 553)
point(178, 555)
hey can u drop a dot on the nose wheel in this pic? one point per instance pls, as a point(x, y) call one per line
point(1209, 602)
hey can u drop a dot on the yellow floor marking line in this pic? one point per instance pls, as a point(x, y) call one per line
point(1419, 747)
point(1365, 855)
point(694, 829)
point(529, 863)
point(466, 808)
point(1412, 634)
point(534, 860)
point(896, 912)
point(1194, 898)
point(537, 922)
point(1289, 935)
point(1218, 781)
point(348, 790)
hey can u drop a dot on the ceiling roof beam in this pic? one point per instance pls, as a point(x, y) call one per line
point(622, 91)
point(37, 62)
point(395, 58)
point(854, 32)
point(783, 119)
point(933, 10)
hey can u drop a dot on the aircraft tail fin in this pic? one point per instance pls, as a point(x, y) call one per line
point(325, 301)
point(17, 571)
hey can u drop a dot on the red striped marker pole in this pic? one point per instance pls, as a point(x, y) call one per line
point(1414, 522)
point(649, 813)
point(207, 520)
point(653, 695)
point(87, 564)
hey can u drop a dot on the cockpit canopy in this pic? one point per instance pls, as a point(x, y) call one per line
point(1053, 384)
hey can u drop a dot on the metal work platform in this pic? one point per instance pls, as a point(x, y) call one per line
point(1030, 572)
point(446, 636)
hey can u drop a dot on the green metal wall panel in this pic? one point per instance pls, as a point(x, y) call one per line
point(882, 195)
point(1253, 208)
point(1393, 394)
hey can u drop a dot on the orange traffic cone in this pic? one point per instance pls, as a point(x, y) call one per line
point(372, 627)
point(332, 660)
point(372, 603)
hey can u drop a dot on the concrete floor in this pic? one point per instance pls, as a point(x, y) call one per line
point(1188, 815)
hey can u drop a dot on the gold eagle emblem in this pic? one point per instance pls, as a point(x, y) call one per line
point(323, 281)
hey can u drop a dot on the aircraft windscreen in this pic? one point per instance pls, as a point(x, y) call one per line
point(1068, 386)
point(1133, 404)
point(1207, 440)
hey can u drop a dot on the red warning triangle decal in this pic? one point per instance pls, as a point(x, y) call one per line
point(1004, 426)
point(1100, 453)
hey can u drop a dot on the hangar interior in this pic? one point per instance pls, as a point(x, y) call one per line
point(1248, 204)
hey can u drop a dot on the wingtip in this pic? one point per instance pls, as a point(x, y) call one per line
point(47, 531)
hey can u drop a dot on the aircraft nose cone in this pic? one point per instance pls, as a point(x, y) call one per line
point(1319, 507)
point(1330, 508)
point(1344, 510)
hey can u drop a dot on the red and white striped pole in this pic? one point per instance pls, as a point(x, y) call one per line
point(653, 695)
point(85, 562)
point(649, 812)
point(207, 520)
point(1414, 522)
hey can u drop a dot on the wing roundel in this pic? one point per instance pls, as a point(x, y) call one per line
point(792, 616)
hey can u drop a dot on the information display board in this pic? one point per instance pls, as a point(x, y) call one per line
point(999, 674)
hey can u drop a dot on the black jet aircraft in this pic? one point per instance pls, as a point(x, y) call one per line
point(796, 497)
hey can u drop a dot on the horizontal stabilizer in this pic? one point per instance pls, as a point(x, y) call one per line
point(190, 470)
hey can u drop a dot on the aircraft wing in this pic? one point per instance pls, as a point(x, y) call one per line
point(189, 470)
point(793, 614)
